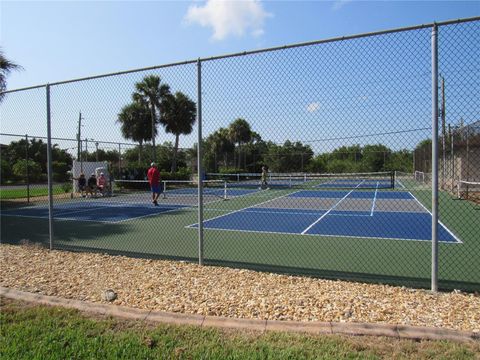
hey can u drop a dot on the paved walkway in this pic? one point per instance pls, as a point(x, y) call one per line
point(396, 331)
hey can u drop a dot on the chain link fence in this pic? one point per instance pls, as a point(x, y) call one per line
point(315, 159)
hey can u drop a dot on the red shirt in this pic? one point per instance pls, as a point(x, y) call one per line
point(153, 176)
point(101, 181)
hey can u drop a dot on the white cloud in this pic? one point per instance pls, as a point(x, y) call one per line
point(338, 4)
point(313, 107)
point(229, 17)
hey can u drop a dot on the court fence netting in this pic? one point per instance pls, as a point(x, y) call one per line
point(353, 158)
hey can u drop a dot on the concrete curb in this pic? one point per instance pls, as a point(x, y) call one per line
point(396, 331)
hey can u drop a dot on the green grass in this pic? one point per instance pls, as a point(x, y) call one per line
point(39, 332)
point(34, 191)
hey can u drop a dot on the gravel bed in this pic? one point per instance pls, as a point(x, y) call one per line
point(192, 289)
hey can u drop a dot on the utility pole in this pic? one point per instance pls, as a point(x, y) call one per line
point(79, 141)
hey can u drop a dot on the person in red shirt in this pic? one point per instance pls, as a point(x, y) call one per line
point(153, 176)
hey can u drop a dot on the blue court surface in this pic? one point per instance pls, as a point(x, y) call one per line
point(396, 215)
point(123, 207)
point(93, 211)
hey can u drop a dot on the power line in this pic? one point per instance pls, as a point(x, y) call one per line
point(368, 135)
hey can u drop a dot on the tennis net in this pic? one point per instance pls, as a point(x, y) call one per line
point(367, 180)
point(171, 189)
point(468, 190)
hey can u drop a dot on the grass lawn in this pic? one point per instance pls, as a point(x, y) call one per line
point(34, 191)
point(30, 331)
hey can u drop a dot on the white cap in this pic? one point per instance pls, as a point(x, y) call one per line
point(101, 174)
point(152, 164)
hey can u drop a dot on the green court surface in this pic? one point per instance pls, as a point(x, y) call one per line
point(170, 235)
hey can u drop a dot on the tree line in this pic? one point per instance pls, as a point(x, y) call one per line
point(239, 149)
point(26, 160)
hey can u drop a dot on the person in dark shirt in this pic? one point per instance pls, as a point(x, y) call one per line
point(92, 185)
point(82, 184)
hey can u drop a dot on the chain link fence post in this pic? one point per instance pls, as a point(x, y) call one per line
point(434, 158)
point(199, 163)
point(49, 169)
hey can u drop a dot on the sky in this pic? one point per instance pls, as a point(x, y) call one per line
point(62, 40)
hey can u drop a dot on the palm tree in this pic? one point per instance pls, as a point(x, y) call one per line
point(221, 144)
point(240, 133)
point(151, 93)
point(6, 66)
point(135, 120)
point(178, 116)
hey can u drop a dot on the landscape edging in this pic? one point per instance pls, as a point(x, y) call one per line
point(365, 329)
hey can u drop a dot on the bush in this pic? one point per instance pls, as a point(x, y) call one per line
point(34, 171)
point(67, 187)
point(60, 171)
point(6, 173)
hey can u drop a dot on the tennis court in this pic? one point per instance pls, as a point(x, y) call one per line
point(304, 228)
point(307, 210)
point(131, 205)
point(356, 213)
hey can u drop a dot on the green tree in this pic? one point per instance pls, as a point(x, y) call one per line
point(59, 169)
point(6, 173)
point(318, 164)
point(375, 157)
point(219, 144)
point(6, 66)
point(401, 160)
point(151, 92)
point(34, 170)
point(178, 116)
point(37, 152)
point(135, 121)
point(289, 157)
point(240, 133)
point(352, 153)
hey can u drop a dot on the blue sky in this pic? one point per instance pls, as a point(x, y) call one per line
point(55, 41)
point(62, 40)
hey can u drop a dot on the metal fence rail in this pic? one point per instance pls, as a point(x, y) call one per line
point(313, 158)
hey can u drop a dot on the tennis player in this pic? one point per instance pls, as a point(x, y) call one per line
point(263, 178)
point(153, 176)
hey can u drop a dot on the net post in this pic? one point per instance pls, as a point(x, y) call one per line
point(434, 285)
point(224, 190)
point(164, 192)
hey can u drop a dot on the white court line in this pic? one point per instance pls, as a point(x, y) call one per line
point(374, 200)
point(340, 237)
point(446, 228)
point(333, 207)
point(324, 235)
